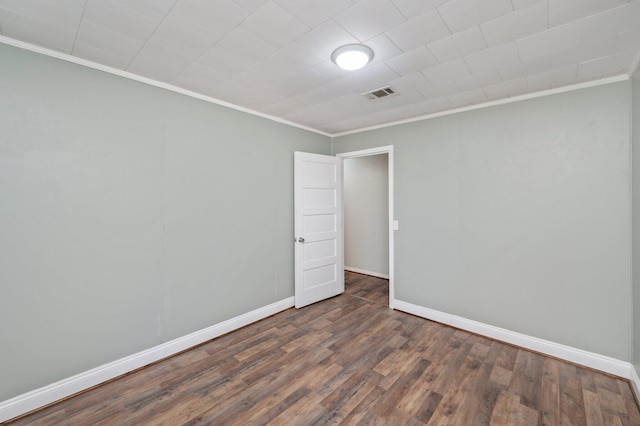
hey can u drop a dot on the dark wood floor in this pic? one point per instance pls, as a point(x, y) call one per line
point(351, 360)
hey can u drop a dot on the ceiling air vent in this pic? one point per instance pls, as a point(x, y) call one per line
point(383, 92)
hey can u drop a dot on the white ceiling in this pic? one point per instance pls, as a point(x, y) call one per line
point(272, 56)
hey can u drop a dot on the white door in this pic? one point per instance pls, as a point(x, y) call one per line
point(319, 240)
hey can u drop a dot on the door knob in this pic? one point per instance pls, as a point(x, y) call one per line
point(301, 240)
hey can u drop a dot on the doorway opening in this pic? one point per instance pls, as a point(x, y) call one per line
point(368, 215)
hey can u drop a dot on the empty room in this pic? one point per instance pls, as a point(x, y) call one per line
point(301, 212)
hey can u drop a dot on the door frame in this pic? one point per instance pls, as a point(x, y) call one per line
point(377, 151)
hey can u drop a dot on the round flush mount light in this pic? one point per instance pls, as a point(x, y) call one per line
point(352, 56)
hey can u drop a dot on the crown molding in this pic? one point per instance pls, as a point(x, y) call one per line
point(554, 91)
point(126, 74)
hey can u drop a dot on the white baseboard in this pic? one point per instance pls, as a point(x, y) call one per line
point(578, 356)
point(362, 271)
point(635, 382)
point(29, 401)
point(37, 398)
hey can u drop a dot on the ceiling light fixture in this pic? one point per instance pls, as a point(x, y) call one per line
point(352, 57)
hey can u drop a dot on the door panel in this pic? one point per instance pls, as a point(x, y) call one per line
point(319, 251)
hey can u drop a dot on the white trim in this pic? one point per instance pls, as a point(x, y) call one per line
point(30, 401)
point(635, 382)
point(578, 356)
point(90, 64)
point(388, 149)
point(366, 152)
point(519, 98)
point(362, 271)
point(121, 73)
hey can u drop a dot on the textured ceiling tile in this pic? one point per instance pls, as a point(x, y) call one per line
point(413, 8)
point(274, 24)
point(369, 18)
point(469, 97)
point(245, 45)
point(182, 31)
point(551, 41)
point(431, 106)
point(266, 72)
point(318, 114)
point(507, 89)
point(199, 78)
point(119, 19)
point(320, 94)
point(307, 79)
point(218, 16)
point(563, 11)
point(59, 13)
point(251, 5)
point(330, 69)
point(270, 56)
point(200, 75)
point(553, 78)
point(313, 12)
point(476, 81)
point(42, 33)
point(414, 81)
point(521, 4)
point(224, 61)
point(419, 31)
point(496, 57)
point(93, 39)
point(404, 97)
point(326, 38)
point(383, 49)
point(353, 102)
point(238, 92)
point(413, 61)
point(523, 69)
point(462, 14)
point(162, 59)
point(629, 40)
point(614, 64)
point(285, 106)
point(458, 45)
point(393, 114)
point(367, 79)
point(154, 9)
point(109, 57)
point(371, 78)
point(338, 87)
point(376, 118)
point(295, 57)
point(611, 22)
point(580, 53)
point(515, 25)
point(450, 71)
point(439, 90)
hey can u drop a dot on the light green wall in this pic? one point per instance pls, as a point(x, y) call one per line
point(518, 215)
point(129, 216)
point(635, 109)
point(366, 213)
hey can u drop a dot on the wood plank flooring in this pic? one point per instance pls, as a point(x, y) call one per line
point(351, 360)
